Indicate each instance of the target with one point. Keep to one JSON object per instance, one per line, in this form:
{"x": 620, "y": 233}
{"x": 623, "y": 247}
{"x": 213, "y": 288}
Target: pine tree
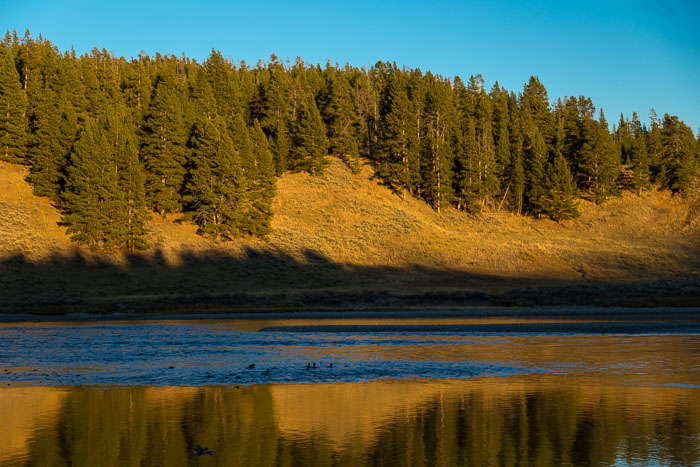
{"x": 604, "y": 166}
{"x": 397, "y": 145}
{"x": 215, "y": 187}
{"x": 654, "y": 147}
{"x": 277, "y": 113}
{"x": 467, "y": 180}
{"x": 488, "y": 167}
{"x": 516, "y": 176}
{"x": 535, "y": 176}
{"x": 280, "y": 146}
{"x": 90, "y": 189}
{"x": 136, "y": 86}
{"x": 639, "y": 157}
{"x": 310, "y": 143}
{"x": 12, "y": 110}
{"x": 103, "y": 200}
{"x": 535, "y": 104}
{"x": 132, "y": 181}
{"x": 500, "y": 125}
{"x": 224, "y": 84}
{"x": 437, "y": 152}
{"x": 50, "y": 158}
{"x": 163, "y": 146}
{"x": 560, "y": 196}
{"x": 341, "y": 118}
{"x": 680, "y": 156}
{"x": 261, "y": 184}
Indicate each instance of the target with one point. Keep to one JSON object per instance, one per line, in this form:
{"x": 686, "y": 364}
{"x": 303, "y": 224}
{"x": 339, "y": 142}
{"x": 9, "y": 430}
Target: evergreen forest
{"x": 113, "y": 141}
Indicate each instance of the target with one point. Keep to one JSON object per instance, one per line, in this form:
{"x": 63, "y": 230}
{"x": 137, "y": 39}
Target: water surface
{"x": 147, "y": 393}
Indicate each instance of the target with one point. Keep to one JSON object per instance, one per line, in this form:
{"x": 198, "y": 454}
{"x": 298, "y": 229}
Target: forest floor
{"x": 345, "y": 241}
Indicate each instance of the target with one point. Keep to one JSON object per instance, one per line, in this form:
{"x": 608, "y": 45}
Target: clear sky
{"x": 626, "y": 55}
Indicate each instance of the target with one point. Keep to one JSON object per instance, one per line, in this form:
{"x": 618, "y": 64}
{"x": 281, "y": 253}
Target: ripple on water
{"x": 195, "y": 354}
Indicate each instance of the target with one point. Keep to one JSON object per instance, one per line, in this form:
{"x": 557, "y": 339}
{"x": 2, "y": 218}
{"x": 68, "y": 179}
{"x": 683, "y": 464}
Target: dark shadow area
{"x": 264, "y": 279}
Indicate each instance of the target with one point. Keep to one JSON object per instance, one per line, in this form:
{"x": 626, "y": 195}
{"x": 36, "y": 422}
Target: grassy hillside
{"x": 343, "y": 234}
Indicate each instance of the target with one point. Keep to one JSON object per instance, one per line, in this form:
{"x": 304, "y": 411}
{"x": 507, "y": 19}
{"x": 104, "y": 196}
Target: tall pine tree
{"x": 215, "y": 189}
{"x": 104, "y": 200}
{"x": 559, "y": 199}
{"x": 310, "y": 142}
{"x": 12, "y": 109}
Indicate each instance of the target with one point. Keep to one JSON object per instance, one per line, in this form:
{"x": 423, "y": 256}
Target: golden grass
{"x": 29, "y": 225}
{"x": 353, "y": 219}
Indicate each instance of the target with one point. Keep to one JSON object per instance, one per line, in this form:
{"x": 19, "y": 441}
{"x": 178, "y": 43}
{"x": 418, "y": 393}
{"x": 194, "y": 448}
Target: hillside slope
{"x": 345, "y": 233}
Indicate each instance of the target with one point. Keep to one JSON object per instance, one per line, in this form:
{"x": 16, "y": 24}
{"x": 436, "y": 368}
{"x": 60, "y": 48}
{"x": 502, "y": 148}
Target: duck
{"x": 251, "y": 366}
{"x": 199, "y": 450}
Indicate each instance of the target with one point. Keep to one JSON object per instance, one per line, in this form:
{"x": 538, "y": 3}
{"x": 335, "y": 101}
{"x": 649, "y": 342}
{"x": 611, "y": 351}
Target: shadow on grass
{"x": 264, "y": 279}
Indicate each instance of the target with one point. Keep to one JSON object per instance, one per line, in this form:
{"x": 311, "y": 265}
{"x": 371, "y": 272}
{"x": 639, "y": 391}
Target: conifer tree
{"x": 467, "y": 180}
{"x": 654, "y": 147}
{"x": 310, "y": 143}
{"x": 488, "y": 167}
{"x": 535, "y": 103}
{"x": 133, "y": 215}
{"x": 104, "y": 200}
{"x": 581, "y": 131}
{"x": 639, "y": 157}
{"x": 341, "y": 119}
{"x": 163, "y": 146}
{"x": 73, "y": 87}
{"x": 12, "y": 110}
{"x": 437, "y": 152}
{"x": 517, "y": 181}
{"x": 535, "y": 176}
{"x": 559, "y": 198}
{"x": 397, "y": 155}
{"x": 261, "y": 184}
{"x": 224, "y": 84}
{"x": 50, "y": 158}
{"x": 215, "y": 187}
{"x": 136, "y": 86}
{"x": 280, "y": 145}
{"x": 604, "y": 166}
{"x": 624, "y": 139}
{"x": 89, "y": 203}
{"x": 679, "y": 156}
{"x": 277, "y": 113}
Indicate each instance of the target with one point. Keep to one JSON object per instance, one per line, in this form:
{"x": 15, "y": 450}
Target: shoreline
{"x": 564, "y": 313}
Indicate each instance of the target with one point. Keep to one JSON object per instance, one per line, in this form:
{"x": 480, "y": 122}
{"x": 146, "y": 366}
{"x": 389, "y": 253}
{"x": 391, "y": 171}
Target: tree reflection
{"x": 492, "y": 421}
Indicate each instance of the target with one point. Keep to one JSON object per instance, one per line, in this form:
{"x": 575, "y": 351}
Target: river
{"x": 403, "y": 390}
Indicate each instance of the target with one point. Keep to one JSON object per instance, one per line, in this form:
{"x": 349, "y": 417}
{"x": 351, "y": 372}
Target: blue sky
{"x": 626, "y": 55}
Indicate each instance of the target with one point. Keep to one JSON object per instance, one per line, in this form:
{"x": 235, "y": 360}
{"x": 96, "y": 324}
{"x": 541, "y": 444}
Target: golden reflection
{"x": 538, "y": 420}
{"x": 345, "y": 412}
{"x": 23, "y": 410}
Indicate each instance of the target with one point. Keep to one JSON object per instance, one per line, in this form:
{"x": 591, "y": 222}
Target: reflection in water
{"x": 537, "y": 420}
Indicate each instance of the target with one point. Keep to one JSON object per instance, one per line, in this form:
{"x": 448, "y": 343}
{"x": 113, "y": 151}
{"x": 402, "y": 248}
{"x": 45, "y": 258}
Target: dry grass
{"x": 352, "y": 218}
{"x": 28, "y": 224}
{"x": 344, "y": 232}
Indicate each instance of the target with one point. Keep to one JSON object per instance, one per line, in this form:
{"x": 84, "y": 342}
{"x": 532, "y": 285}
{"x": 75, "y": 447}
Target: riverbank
{"x": 477, "y": 315}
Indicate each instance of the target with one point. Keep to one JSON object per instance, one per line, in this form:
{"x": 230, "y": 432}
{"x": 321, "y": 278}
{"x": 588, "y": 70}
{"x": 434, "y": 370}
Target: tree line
{"x": 112, "y": 141}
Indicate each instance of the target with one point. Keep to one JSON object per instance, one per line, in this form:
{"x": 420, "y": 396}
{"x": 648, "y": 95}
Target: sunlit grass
{"x": 353, "y": 219}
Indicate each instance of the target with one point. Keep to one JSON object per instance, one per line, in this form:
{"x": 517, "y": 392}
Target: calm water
{"x": 148, "y": 393}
